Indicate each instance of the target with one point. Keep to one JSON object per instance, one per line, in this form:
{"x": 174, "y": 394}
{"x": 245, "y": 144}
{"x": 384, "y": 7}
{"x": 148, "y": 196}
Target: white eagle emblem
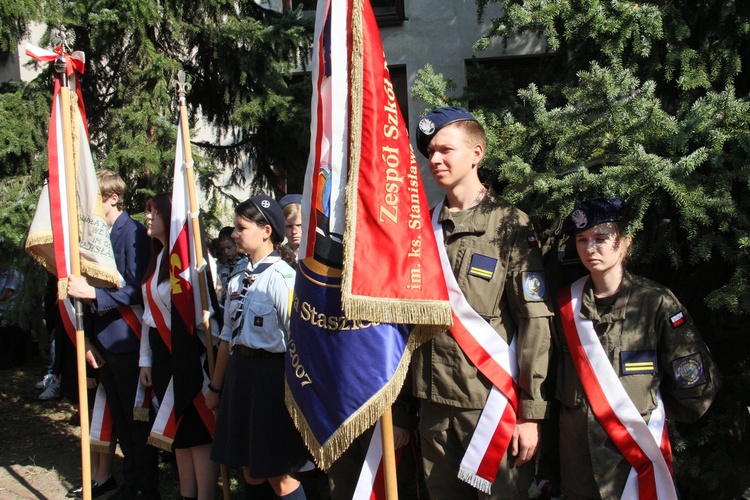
{"x": 426, "y": 126}
{"x": 579, "y": 218}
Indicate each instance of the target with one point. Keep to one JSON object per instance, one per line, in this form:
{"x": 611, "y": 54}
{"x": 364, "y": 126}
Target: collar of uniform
{"x": 478, "y": 221}
{"x": 617, "y": 313}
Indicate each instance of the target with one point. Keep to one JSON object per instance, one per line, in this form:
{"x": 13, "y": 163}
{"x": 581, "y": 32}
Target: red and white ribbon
{"x": 100, "y": 433}
{"x": 645, "y": 447}
{"x": 496, "y": 360}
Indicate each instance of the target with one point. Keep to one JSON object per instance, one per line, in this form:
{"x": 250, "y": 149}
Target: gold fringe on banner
{"x": 327, "y": 453}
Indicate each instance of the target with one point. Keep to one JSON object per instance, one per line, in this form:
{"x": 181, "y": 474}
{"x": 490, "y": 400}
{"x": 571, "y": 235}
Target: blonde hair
{"x": 473, "y": 132}
{"x": 292, "y": 208}
{"x": 110, "y": 183}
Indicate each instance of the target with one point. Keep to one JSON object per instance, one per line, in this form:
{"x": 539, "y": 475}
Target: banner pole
{"x": 200, "y": 262}
{"x": 75, "y": 266}
{"x": 389, "y": 455}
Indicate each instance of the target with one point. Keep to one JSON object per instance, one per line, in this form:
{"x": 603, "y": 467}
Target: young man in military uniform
{"x": 493, "y": 256}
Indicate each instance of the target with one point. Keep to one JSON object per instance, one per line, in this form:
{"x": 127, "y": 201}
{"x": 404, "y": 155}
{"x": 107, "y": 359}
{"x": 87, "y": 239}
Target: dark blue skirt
{"x": 254, "y": 428}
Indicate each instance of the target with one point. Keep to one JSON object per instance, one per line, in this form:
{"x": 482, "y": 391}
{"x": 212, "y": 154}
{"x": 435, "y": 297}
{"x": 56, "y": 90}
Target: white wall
{"x": 441, "y": 33}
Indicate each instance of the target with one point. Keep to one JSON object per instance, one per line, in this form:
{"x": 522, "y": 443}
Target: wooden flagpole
{"x": 75, "y": 270}
{"x": 182, "y": 87}
{"x": 389, "y": 455}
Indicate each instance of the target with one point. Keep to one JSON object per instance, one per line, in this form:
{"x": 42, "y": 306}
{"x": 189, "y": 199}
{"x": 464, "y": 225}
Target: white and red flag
{"x": 187, "y": 313}
{"x": 49, "y": 239}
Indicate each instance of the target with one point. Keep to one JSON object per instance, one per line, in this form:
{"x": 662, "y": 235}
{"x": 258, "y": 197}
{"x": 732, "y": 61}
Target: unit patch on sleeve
{"x": 482, "y": 266}
{"x": 534, "y": 287}
{"x": 635, "y": 362}
{"x": 688, "y": 371}
{"x": 533, "y": 242}
{"x": 677, "y": 320}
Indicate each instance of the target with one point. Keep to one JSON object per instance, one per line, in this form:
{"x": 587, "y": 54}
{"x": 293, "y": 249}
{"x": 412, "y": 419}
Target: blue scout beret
{"x": 592, "y": 213}
{"x": 271, "y": 211}
{"x": 288, "y": 199}
{"x": 432, "y": 122}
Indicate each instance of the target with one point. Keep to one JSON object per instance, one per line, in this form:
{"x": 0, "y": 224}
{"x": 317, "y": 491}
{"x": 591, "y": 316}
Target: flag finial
{"x": 63, "y": 38}
{"x": 183, "y": 86}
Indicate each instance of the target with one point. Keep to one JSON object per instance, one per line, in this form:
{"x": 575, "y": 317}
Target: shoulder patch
{"x": 688, "y": 370}
{"x": 677, "y": 320}
{"x": 533, "y": 242}
{"x": 534, "y": 287}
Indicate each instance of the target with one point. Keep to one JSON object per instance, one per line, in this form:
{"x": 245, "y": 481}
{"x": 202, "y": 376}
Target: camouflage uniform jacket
{"x": 644, "y": 322}
{"x": 493, "y": 253}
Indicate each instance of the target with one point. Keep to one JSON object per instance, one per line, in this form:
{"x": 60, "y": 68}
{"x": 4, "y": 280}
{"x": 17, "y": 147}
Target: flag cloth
{"x": 187, "y": 309}
{"x": 360, "y": 308}
{"x": 49, "y": 235}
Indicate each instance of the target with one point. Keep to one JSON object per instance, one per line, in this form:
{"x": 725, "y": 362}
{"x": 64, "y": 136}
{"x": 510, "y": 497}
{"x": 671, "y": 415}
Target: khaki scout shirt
{"x": 492, "y": 231}
{"x": 646, "y": 320}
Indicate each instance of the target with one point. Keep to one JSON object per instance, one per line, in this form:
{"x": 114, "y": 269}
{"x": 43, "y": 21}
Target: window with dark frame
{"x": 494, "y": 82}
{"x": 387, "y": 12}
{"x": 401, "y": 88}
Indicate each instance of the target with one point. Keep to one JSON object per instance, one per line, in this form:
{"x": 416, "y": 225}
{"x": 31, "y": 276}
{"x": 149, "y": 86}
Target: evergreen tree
{"x": 647, "y": 102}
{"x": 238, "y": 57}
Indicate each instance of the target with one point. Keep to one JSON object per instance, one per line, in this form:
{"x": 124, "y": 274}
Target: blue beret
{"x": 432, "y": 122}
{"x": 591, "y": 213}
{"x": 288, "y": 199}
{"x": 271, "y": 211}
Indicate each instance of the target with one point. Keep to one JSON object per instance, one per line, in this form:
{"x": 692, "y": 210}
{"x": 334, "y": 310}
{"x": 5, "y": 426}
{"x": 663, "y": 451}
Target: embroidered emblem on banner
{"x": 688, "y": 371}
{"x": 258, "y": 321}
{"x": 533, "y": 242}
{"x": 534, "y": 288}
{"x": 677, "y": 320}
{"x": 635, "y": 362}
{"x": 482, "y": 266}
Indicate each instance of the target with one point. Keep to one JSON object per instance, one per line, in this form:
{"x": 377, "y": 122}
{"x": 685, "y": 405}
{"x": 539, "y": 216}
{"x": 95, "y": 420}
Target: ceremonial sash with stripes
{"x": 496, "y": 360}
{"x": 165, "y": 425}
{"x": 371, "y": 482}
{"x": 100, "y": 433}
{"x": 645, "y": 447}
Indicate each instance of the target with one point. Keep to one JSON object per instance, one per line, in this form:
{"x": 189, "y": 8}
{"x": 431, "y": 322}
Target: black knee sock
{"x": 262, "y": 491}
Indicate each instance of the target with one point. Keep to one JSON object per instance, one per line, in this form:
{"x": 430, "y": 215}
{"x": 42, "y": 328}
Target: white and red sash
{"x": 497, "y": 361}
{"x": 371, "y": 482}
{"x": 160, "y": 311}
{"x": 100, "y": 433}
{"x": 645, "y": 447}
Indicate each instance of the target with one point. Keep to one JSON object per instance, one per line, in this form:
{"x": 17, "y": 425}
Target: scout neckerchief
{"x": 645, "y": 447}
{"x": 251, "y": 274}
{"x": 496, "y": 360}
{"x": 165, "y": 425}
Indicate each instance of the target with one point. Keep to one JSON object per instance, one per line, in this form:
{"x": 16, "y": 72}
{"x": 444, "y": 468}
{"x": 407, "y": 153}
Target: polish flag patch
{"x": 678, "y": 319}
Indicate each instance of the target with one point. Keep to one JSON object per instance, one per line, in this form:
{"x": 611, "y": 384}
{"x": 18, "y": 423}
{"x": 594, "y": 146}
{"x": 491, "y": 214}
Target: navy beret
{"x": 288, "y": 199}
{"x": 591, "y": 213}
{"x": 432, "y": 122}
{"x": 271, "y": 211}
